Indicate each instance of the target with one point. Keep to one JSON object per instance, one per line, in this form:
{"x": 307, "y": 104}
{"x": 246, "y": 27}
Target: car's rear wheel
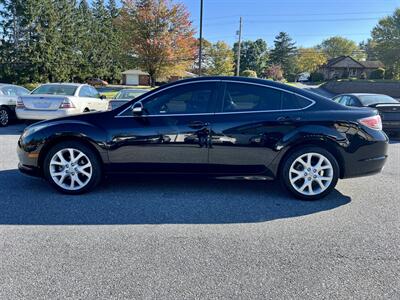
{"x": 4, "y": 116}
{"x": 310, "y": 173}
{"x": 72, "y": 168}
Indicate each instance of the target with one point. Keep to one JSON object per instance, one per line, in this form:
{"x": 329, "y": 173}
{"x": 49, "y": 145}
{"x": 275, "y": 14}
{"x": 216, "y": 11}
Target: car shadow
{"x": 13, "y": 129}
{"x": 153, "y": 200}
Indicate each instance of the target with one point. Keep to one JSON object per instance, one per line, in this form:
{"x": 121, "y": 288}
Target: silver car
{"x": 55, "y": 100}
{"x": 9, "y": 94}
{"x": 125, "y": 96}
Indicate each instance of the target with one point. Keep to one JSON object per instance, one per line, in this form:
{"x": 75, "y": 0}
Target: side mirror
{"x": 137, "y": 109}
{"x": 102, "y": 97}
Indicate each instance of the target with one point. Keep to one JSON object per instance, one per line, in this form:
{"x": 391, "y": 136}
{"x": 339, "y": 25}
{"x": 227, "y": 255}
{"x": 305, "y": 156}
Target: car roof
{"x": 135, "y": 90}
{"x": 64, "y": 83}
{"x": 361, "y": 94}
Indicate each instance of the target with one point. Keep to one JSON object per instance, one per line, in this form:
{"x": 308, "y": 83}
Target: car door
{"x": 100, "y": 104}
{"x": 251, "y": 122}
{"x": 85, "y": 98}
{"x": 171, "y": 135}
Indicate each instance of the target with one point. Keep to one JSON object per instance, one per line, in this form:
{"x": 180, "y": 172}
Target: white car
{"x": 8, "y": 98}
{"x": 54, "y": 100}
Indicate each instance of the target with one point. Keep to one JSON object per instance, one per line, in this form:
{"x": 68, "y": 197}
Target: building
{"x": 138, "y": 77}
{"x": 347, "y": 67}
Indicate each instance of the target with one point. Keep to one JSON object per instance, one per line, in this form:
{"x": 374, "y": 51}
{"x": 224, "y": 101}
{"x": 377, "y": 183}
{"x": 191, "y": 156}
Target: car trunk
{"x": 43, "y": 102}
{"x": 389, "y": 112}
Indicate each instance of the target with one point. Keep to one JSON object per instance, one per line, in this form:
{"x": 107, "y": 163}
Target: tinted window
{"x": 128, "y": 94}
{"x": 292, "y": 101}
{"x": 185, "y": 99}
{"x": 352, "y": 102}
{"x": 56, "y": 89}
{"x": 376, "y": 99}
{"x": 248, "y": 97}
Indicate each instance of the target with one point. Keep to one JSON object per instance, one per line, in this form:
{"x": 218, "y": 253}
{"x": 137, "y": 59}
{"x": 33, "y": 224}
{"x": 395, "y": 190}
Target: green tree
{"x": 339, "y": 46}
{"x": 159, "y": 35}
{"x": 368, "y": 47}
{"x": 284, "y": 53}
{"x": 221, "y": 59}
{"x": 253, "y": 55}
{"x": 386, "y": 36}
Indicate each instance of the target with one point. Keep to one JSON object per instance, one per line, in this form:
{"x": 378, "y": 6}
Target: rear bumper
{"x": 391, "y": 126}
{"x": 30, "y": 114}
{"x": 367, "y": 160}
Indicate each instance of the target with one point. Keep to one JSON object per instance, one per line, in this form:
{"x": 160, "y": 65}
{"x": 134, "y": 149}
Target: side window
{"x": 21, "y": 91}
{"x": 85, "y": 92}
{"x": 345, "y": 100}
{"x": 249, "y": 97}
{"x": 186, "y": 99}
{"x": 352, "y": 102}
{"x": 94, "y": 92}
{"x": 293, "y": 101}
{"x": 337, "y": 99}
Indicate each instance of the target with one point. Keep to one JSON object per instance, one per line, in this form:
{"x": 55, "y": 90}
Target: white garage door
{"x": 132, "y": 79}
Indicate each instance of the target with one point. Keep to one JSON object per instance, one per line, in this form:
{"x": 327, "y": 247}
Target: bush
{"x": 316, "y": 77}
{"x": 274, "y": 72}
{"x": 377, "y": 74}
{"x": 249, "y": 73}
{"x": 291, "y": 77}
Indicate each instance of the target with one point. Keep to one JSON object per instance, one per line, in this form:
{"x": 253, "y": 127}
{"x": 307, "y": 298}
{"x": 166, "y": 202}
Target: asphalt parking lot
{"x": 180, "y": 238}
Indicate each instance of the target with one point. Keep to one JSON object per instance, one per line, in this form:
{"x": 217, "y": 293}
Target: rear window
{"x": 292, "y": 101}
{"x": 376, "y": 99}
{"x": 54, "y": 89}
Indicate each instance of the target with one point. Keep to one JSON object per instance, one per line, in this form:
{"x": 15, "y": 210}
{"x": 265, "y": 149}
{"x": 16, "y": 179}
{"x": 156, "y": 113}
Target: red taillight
{"x": 374, "y": 122}
{"x": 20, "y": 103}
{"x": 67, "y": 104}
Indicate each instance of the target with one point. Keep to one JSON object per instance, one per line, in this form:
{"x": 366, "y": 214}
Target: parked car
{"x": 125, "y": 96}
{"x": 218, "y": 126}
{"x": 303, "y": 77}
{"x": 389, "y": 108}
{"x": 54, "y": 100}
{"x": 96, "y": 82}
{"x": 8, "y": 99}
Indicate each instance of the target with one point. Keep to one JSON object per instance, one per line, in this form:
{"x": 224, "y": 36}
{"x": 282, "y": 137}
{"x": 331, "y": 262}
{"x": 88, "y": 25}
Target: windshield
{"x": 129, "y": 94}
{"x": 376, "y": 99}
{"x": 53, "y": 89}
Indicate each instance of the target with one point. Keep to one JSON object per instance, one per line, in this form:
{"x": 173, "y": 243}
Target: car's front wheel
{"x": 72, "y": 168}
{"x": 4, "y": 116}
{"x": 310, "y": 173}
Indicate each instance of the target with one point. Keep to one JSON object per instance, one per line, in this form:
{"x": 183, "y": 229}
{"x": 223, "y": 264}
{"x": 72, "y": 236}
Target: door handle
{"x": 198, "y": 125}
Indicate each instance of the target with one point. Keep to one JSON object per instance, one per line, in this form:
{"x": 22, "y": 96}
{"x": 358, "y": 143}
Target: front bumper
{"x": 29, "y": 170}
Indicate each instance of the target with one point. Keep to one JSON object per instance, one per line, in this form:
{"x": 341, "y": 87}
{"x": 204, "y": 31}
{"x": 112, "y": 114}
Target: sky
{"x": 308, "y": 22}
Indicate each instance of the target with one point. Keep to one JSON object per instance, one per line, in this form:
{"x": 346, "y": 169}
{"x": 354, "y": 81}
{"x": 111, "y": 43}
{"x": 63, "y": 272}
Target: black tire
{"x": 92, "y": 157}
{"x": 289, "y": 160}
{"x": 5, "y": 115}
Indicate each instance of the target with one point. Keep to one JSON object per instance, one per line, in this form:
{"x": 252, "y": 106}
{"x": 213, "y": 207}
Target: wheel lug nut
{"x": 315, "y": 176}
{"x": 309, "y": 169}
{"x": 309, "y": 178}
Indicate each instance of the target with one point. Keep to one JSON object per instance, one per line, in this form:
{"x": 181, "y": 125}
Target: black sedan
{"x": 389, "y": 108}
{"x": 218, "y": 126}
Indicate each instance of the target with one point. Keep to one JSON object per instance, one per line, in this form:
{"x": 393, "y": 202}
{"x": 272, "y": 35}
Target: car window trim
{"x": 312, "y": 102}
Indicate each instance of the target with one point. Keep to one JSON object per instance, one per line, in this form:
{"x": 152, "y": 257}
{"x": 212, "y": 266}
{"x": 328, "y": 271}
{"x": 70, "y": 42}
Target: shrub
{"x": 274, "y": 72}
{"x": 249, "y": 73}
{"x": 291, "y": 77}
{"x": 377, "y": 74}
{"x": 316, "y": 77}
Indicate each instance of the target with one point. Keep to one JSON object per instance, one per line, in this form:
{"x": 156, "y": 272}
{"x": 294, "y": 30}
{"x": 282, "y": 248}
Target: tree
{"x": 284, "y": 53}
{"x": 339, "y": 46}
{"x": 160, "y": 35}
{"x": 221, "y": 58}
{"x": 368, "y": 47}
{"x": 253, "y": 55}
{"x": 309, "y": 60}
{"x": 206, "y": 62}
{"x": 386, "y": 35}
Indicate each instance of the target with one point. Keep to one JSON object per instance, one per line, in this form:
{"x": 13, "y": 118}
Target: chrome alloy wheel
{"x": 3, "y": 117}
{"x": 311, "y": 174}
{"x": 71, "y": 169}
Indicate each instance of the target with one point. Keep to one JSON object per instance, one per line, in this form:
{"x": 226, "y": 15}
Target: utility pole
{"x": 239, "y": 48}
{"x": 201, "y": 36}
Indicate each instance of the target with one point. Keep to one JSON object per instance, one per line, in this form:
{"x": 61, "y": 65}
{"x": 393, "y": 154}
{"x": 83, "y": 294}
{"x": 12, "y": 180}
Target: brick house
{"x": 346, "y": 66}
